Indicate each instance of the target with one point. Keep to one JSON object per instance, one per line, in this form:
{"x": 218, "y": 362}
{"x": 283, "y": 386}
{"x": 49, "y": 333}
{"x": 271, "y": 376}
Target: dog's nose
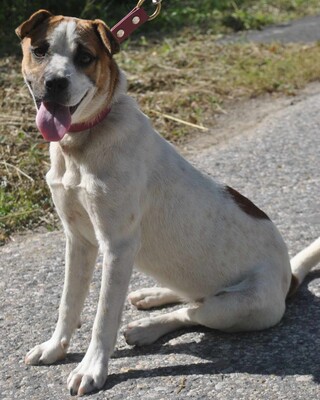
{"x": 56, "y": 84}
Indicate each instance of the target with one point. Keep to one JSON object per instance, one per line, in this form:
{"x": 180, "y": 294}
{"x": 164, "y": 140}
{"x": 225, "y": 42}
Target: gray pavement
{"x": 277, "y": 166}
{"x": 305, "y": 30}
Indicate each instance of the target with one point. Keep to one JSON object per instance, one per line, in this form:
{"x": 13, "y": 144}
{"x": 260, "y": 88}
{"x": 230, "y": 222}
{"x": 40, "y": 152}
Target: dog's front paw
{"x": 47, "y": 352}
{"x": 90, "y": 375}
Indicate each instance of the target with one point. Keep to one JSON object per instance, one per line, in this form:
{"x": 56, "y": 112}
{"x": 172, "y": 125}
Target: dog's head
{"x": 69, "y": 69}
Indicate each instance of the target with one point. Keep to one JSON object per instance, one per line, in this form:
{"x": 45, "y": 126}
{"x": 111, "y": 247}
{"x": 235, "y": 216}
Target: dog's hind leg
{"x": 147, "y": 298}
{"x": 148, "y": 330}
{"x": 239, "y": 311}
{"x": 243, "y": 307}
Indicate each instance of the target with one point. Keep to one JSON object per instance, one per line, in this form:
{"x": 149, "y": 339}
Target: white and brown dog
{"x": 120, "y": 187}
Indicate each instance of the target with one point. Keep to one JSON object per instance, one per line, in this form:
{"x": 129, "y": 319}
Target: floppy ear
{"x": 106, "y": 37}
{"x": 36, "y": 19}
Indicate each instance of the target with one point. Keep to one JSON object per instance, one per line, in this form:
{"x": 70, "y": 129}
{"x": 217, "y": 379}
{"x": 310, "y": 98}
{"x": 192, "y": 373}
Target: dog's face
{"x": 68, "y": 67}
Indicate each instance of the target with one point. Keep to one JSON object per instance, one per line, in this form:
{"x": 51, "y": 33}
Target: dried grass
{"x": 182, "y": 84}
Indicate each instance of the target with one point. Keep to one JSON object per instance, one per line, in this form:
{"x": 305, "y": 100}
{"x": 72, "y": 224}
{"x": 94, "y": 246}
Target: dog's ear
{"x": 106, "y": 37}
{"x": 36, "y": 19}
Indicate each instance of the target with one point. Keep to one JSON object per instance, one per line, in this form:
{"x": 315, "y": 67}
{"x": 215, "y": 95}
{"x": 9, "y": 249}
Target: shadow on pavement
{"x": 290, "y": 348}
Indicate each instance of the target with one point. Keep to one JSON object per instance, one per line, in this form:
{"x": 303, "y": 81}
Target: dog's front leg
{"x": 80, "y": 259}
{"x": 118, "y": 261}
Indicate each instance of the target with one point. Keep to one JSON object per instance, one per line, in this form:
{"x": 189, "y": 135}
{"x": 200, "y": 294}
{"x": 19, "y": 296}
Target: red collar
{"x": 82, "y": 126}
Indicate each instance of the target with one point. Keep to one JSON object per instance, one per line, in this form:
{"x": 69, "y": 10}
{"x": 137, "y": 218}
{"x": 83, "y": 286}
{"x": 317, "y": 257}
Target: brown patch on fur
{"x": 36, "y": 19}
{"x": 104, "y": 72}
{"x": 246, "y": 205}
{"x": 106, "y": 36}
{"x": 293, "y": 286}
{"x": 33, "y": 33}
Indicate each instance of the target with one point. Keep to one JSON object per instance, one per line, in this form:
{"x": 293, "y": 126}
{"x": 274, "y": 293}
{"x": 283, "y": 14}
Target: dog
{"x": 120, "y": 188}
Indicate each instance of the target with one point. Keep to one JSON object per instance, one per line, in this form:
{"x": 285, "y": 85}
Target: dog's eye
{"x": 84, "y": 58}
{"x": 40, "y": 51}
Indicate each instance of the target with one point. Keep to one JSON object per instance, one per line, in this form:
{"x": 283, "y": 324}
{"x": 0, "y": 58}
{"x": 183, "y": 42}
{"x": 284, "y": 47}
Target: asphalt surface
{"x": 276, "y": 164}
{"x": 305, "y": 30}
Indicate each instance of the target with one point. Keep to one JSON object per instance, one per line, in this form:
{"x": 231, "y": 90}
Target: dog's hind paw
{"x": 145, "y": 299}
{"x": 47, "y": 353}
{"x": 142, "y": 332}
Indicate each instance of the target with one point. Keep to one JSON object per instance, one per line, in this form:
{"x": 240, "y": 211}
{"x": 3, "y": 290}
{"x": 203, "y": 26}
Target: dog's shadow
{"x": 290, "y": 348}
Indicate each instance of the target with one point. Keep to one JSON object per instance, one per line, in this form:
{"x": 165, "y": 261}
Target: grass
{"x": 188, "y": 77}
{"x": 217, "y": 16}
{"x": 171, "y": 79}
{"x": 177, "y": 16}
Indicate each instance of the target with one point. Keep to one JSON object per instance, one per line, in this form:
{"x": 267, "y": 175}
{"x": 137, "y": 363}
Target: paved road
{"x": 305, "y": 30}
{"x": 276, "y": 165}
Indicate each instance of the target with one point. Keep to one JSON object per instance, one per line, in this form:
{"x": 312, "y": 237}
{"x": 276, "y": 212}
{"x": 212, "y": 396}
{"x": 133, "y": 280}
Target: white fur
{"x": 123, "y": 189}
{"x": 305, "y": 260}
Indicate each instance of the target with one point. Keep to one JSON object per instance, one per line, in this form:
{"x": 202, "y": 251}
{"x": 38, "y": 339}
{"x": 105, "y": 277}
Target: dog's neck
{"x": 83, "y": 126}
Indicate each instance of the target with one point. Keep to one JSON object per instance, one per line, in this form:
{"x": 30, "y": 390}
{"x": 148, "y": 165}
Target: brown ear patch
{"x": 35, "y": 20}
{"x": 106, "y": 37}
{"x": 246, "y": 205}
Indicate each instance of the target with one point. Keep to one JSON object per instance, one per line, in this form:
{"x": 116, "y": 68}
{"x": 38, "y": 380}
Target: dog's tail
{"x": 302, "y": 263}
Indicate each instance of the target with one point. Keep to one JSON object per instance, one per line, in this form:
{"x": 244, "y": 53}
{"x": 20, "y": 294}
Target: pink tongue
{"x": 53, "y": 121}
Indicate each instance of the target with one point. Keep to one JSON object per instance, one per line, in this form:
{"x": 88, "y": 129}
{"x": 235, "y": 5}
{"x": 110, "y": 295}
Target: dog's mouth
{"x": 54, "y": 120}
{"x": 72, "y": 109}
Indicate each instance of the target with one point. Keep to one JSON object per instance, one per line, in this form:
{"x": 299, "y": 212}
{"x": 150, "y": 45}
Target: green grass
{"x": 177, "y": 16}
{"x": 202, "y": 15}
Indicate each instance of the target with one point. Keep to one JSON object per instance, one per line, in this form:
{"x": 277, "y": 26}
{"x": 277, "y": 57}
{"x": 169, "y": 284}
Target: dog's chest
{"x": 71, "y": 178}
{"x": 72, "y": 190}
{"x": 65, "y": 174}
